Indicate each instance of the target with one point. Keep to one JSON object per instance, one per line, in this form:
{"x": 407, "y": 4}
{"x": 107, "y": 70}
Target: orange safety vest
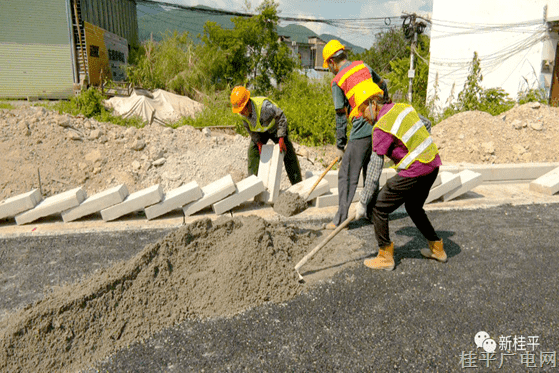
{"x": 349, "y": 78}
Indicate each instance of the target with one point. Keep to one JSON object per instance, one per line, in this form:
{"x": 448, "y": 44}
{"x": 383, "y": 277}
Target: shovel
{"x": 322, "y": 244}
{"x": 306, "y": 197}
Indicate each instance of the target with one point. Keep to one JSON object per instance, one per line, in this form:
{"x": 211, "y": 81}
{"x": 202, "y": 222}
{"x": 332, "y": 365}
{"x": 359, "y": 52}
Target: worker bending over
{"x": 264, "y": 121}
{"x": 401, "y": 135}
{"x": 354, "y": 154}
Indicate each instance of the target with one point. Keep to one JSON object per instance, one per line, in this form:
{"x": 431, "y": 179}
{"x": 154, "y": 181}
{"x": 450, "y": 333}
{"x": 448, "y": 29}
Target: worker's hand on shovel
{"x": 283, "y": 148}
{"x": 360, "y": 211}
{"x": 340, "y": 154}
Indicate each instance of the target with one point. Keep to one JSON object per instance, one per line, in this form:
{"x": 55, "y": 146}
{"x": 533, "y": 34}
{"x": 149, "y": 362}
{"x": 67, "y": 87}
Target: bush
{"x": 4, "y": 105}
{"x": 533, "y": 95}
{"x": 309, "y": 109}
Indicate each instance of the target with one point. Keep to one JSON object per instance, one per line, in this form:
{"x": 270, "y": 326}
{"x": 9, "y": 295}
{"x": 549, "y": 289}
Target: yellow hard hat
{"x": 330, "y": 49}
{"x": 239, "y": 98}
{"x": 363, "y": 91}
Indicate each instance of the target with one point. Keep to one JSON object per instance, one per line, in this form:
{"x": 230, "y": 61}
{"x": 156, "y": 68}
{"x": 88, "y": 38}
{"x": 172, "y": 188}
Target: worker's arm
{"x": 426, "y": 122}
{"x": 374, "y": 170}
{"x": 340, "y": 104}
{"x": 381, "y": 83}
{"x": 270, "y": 112}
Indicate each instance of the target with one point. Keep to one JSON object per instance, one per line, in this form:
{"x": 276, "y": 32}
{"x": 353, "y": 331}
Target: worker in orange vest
{"x": 264, "y": 121}
{"x": 356, "y": 152}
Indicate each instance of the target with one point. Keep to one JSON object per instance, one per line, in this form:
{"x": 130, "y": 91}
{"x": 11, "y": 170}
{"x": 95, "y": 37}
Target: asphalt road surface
{"x": 501, "y": 278}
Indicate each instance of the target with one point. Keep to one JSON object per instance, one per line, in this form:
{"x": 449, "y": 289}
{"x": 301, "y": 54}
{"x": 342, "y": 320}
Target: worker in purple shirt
{"x": 401, "y": 135}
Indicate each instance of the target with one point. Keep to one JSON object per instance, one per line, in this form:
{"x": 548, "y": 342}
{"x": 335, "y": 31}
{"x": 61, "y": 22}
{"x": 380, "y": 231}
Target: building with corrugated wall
{"x": 50, "y": 48}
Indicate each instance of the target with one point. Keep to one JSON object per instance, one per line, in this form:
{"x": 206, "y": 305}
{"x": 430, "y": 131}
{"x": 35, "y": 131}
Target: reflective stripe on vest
{"x": 258, "y": 102}
{"x": 349, "y": 79}
{"x": 403, "y": 122}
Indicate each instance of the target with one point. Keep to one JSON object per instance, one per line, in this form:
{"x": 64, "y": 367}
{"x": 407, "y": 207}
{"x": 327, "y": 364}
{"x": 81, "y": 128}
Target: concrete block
{"x": 211, "y": 194}
{"x": 134, "y": 202}
{"x": 269, "y": 171}
{"x": 469, "y": 180}
{"x": 546, "y": 184}
{"x": 246, "y": 189}
{"x": 305, "y": 186}
{"x": 332, "y": 198}
{"x": 96, "y": 203}
{"x": 53, "y": 205}
{"x": 18, "y": 204}
{"x": 449, "y": 184}
{"x": 175, "y": 199}
{"x": 510, "y": 173}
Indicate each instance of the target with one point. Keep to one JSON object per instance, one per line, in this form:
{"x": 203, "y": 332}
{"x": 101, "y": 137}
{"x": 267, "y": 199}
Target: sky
{"x": 330, "y": 9}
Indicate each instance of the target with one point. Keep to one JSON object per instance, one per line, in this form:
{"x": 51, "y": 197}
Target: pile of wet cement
{"x": 289, "y": 204}
{"x": 201, "y": 270}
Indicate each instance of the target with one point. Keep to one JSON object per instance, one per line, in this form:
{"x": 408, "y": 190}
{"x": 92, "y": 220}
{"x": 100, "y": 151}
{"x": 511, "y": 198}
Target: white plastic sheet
{"x": 159, "y": 106}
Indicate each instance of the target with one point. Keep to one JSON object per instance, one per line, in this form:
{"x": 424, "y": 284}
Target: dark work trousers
{"x": 290, "y": 159}
{"x": 355, "y": 159}
{"x": 410, "y": 191}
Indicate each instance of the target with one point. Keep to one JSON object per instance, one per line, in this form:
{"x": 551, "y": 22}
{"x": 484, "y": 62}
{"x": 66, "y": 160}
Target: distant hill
{"x": 154, "y": 19}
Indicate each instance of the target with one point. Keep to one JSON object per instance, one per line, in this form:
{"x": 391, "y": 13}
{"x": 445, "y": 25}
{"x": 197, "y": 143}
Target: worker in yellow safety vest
{"x": 401, "y": 135}
{"x": 356, "y": 152}
{"x": 264, "y": 121}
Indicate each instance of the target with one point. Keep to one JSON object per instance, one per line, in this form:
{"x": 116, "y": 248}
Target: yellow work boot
{"x": 384, "y": 259}
{"x": 435, "y": 251}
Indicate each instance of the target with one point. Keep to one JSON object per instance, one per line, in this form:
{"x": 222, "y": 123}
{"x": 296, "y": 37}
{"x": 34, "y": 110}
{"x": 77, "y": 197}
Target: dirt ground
{"x": 204, "y": 269}
{"x": 65, "y": 152}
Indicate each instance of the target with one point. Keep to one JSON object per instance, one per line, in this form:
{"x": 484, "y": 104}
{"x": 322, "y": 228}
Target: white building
{"x": 516, "y": 42}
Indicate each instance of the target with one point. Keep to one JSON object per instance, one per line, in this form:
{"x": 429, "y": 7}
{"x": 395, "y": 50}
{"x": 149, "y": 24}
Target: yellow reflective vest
{"x": 258, "y": 101}
{"x": 403, "y": 122}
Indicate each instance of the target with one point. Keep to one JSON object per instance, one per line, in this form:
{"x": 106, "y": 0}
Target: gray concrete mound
{"x": 289, "y": 204}
{"x": 204, "y": 269}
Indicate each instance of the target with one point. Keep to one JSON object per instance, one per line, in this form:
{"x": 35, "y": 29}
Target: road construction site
{"x": 112, "y": 276}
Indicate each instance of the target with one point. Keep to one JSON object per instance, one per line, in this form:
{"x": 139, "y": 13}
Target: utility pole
{"x": 411, "y": 71}
{"x": 412, "y": 28}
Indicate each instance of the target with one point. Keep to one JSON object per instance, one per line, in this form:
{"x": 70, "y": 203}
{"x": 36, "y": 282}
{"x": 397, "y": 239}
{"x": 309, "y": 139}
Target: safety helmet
{"x": 330, "y": 50}
{"x": 363, "y": 91}
{"x": 239, "y": 98}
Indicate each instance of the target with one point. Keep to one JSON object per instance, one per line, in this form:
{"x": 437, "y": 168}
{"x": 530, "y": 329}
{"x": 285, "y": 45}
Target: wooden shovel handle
{"x": 326, "y": 240}
{"x": 321, "y": 177}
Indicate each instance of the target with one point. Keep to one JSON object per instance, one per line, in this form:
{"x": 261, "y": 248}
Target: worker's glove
{"x": 283, "y": 148}
{"x": 259, "y": 147}
{"x": 360, "y": 211}
{"x": 339, "y": 154}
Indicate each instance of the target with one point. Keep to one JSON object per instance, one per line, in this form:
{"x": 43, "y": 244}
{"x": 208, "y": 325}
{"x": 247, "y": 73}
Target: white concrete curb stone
{"x": 53, "y": 205}
{"x": 175, "y": 199}
{"x": 246, "y": 189}
{"x": 134, "y": 202}
{"x": 211, "y": 194}
{"x": 18, "y": 204}
{"x": 547, "y": 184}
{"x": 96, "y": 203}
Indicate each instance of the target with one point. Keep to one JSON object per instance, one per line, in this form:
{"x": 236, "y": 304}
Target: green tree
{"x": 251, "y": 52}
{"x": 470, "y": 97}
{"x": 389, "y": 45}
{"x": 398, "y": 76}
